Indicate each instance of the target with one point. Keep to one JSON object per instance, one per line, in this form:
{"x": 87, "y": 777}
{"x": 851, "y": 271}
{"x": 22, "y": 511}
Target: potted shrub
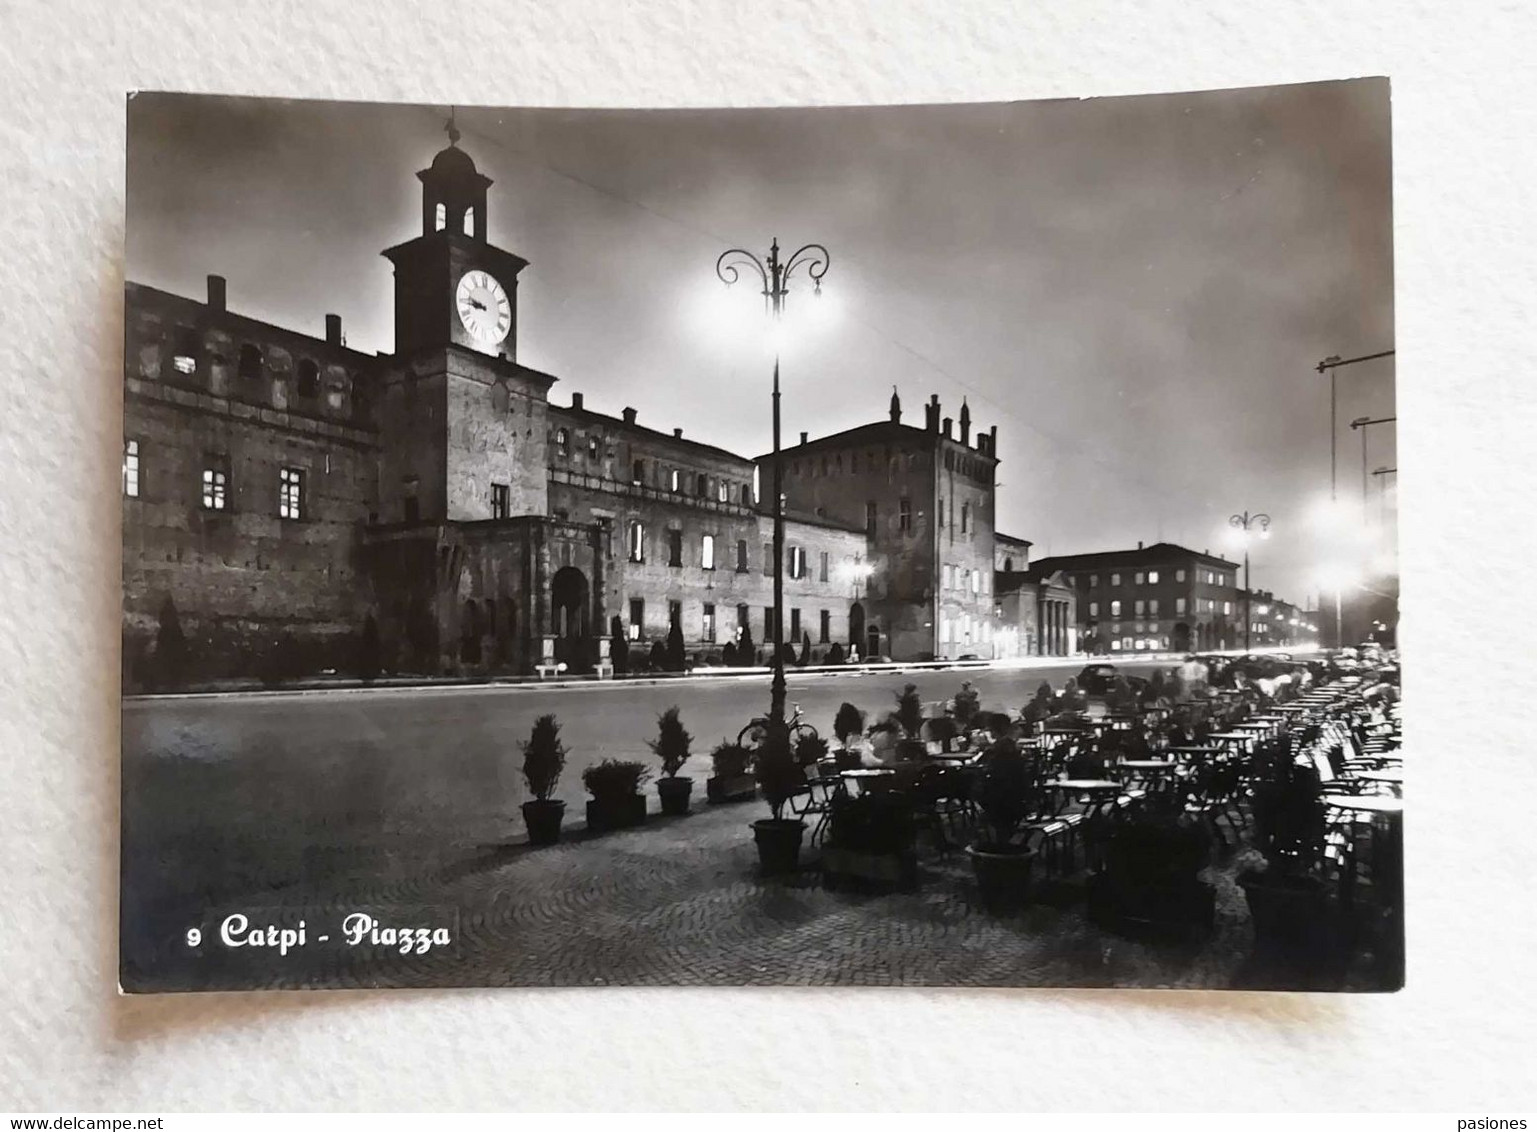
{"x": 731, "y": 778}
{"x": 1294, "y": 924}
{"x": 779, "y": 778}
{"x": 965, "y": 707}
{"x": 671, "y": 746}
{"x": 871, "y": 839}
{"x": 943, "y": 731}
{"x": 1001, "y": 856}
{"x": 1149, "y": 881}
{"x": 544, "y": 757}
{"x": 848, "y": 724}
{"x": 909, "y": 717}
{"x": 617, "y": 802}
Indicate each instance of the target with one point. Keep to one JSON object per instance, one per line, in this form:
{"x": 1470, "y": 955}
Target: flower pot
{"x": 779, "y": 844}
{"x": 674, "y": 793}
{"x": 543, "y": 818}
{"x": 1003, "y": 879}
{"x": 1293, "y": 919}
{"x": 731, "y": 788}
{"x": 620, "y": 812}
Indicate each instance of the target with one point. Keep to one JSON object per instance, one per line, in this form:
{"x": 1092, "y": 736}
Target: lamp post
{"x": 1331, "y": 363}
{"x": 1245, "y": 522}
{"x": 1363, "y": 423}
{"x": 775, "y": 273}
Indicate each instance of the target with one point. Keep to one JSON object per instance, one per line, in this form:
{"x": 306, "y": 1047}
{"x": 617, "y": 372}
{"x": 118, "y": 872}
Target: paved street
{"x": 237, "y": 797}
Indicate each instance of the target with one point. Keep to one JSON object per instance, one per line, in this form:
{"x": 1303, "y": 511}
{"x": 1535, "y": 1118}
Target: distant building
{"x": 1036, "y": 608}
{"x": 1154, "y": 598}
{"x": 924, "y": 498}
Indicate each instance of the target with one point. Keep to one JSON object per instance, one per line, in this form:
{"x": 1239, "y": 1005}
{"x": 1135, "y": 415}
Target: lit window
{"x": 1093, "y": 609}
{"x": 707, "y": 554}
{"x": 1152, "y": 607}
{"x": 440, "y": 218}
{"x": 1115, "y": 609}
{"x": 290, "y": 493}
{"x": 1140, "y": 578}
{"x": 797, "y": 562}
{"x": 672, "y": 480}
{"x": 1115, "y": 646}
{"x": 637, "y": 543}
{"x": 1179, "y": 575}
{"x": 976, "y": 581}
{"x": 721, "y": 492}
{"x": 637, "y": 617}
{"x": 501, "y": 501}
{"x": 1152, "y": 577}
{"x": 1093, "y": 581}
{"x": 215, "y": 484}
{"x": 1115, "y": 579}
{"x": 469, "y": 222}
{"x": 184, "y": 363}
{"x": 1138, "y": 607}
{"x": 592, "y": 447}
{"x": 131, "y": 469}
{"x": 563, "y": 441}
{"x": 1227, "y": 608}
{"x": 1179, "y": 605}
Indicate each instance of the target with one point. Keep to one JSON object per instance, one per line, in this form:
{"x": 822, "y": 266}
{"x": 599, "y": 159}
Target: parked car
{"x": 1098, "y": 679}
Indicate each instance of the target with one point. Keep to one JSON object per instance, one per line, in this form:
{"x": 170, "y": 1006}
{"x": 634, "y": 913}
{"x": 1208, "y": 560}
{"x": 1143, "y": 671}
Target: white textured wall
{"x": 1465, "y": 118}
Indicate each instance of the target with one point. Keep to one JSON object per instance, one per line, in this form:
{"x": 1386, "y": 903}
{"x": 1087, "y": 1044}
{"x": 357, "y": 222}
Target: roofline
{"x": 831, "y": 438}
{"x": 1106, "y": 557}
{"x": 131, "y": 285}
{"x": 648, "y": 431}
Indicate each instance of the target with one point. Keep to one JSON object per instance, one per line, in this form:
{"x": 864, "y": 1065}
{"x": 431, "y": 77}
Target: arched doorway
{"x": 1181, "y": 637}
{"x": 857, "y": 626}
{"x": 570, "y": 618}
{"x": 872, "y": 642}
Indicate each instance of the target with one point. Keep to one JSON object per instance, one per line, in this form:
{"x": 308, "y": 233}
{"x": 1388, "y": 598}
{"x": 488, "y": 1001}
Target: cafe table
{"x": 1393, "y": 776}
{"x": 870, "y": 780}
{"x": 1387, "y": 836}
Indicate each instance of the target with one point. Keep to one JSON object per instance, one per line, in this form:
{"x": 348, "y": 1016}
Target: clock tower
{"x": 463, "y": 424}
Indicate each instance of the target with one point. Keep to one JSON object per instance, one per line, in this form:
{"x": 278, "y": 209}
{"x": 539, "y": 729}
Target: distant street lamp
{"x": 1331, "y": 363}
{"x": 775, "y": 274}
{"x": 1382, "y": 492}
{"x": 1363, "y": 423}
{"x": 1245, "y": 522}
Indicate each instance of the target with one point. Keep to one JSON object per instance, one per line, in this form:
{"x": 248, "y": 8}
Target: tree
{"x": 170, "y": 647}
{"x": 909, "y": 713}
{"x": 369, "y": 651}
{"x": 675, "y": 657}
{"x": 618, "y": 647}
{"x": 745, "y": 650}
{"x": 805, "y": 657}
{"x": 728, "y": 655}
{"x": 658, "y": 657}
{"x": 834, "y": 654}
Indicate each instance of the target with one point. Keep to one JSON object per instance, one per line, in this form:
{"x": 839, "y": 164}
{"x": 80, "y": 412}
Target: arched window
{"x": 309, "y": 378}
{"x": 441, "y": 220}
{"x": 469, "y": 222}
{"x": 249, "y": 367}
{"x": 703, "y": 484}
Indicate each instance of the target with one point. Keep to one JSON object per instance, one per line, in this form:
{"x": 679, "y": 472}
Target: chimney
{"x": 803, "y": 438}
{"x": 992, "y": 441}
{"x": 931, "y": 413}
{"x": 334, "y": 329}
{"x": 576, "y": 401}
{"x": 1139, "y": 544}
{"x": 678, "y": 433}
{"x": 948, "y": 423}
{"x": 629, "y": 416}
{"x": 216, "y": 292}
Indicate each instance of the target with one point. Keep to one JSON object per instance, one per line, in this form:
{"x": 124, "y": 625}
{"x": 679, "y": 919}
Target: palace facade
{"x": 283, "y": 492}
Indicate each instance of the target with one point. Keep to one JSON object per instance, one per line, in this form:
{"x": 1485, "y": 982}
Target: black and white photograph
{"x": 904, "y": 546}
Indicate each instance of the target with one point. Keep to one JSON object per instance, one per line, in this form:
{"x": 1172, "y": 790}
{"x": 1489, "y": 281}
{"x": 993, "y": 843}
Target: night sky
{"x": 1135, "y": 290}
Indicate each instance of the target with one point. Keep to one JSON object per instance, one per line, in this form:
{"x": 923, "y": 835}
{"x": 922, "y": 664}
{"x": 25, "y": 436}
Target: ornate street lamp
{"x": 775, "y": 274}
{"x": 1245, "y": 522}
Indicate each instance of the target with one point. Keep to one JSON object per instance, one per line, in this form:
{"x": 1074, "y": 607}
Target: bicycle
{"x": 753, "y": 735}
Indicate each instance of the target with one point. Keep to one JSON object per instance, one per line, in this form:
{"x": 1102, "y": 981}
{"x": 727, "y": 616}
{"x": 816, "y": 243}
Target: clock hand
{"x": 477, "y": 304}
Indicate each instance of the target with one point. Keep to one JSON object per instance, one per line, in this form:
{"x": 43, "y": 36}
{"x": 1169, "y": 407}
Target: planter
{"x": 620, "y": 812}
{"x": 731, "y": 788}
{"x": 876, "y": 870}
{"x": 1294, "y": 920}
{"x": 674, "y": 793}
{"x": 779, "y": 844}
{"x": 543, "y": 819}
{"x": 1003, "y": 879}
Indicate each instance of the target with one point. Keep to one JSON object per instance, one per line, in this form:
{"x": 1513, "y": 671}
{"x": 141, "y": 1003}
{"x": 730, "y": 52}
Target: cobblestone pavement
{"x": 678, "y": 902}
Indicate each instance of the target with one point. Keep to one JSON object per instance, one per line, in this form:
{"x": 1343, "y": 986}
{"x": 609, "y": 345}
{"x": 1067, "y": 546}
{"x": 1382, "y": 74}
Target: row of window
{"x": 1149, "y": 607}
{"x": 215, "y": 484}
{"x": 964, "y": 630}
{"x": 187, "y": 359}
{"x": 797, "y": 562}
{"x": 975, "y": 582}
{"x": 1139, "y": 644}
{"x": 710, "y": 627}
{"x": 696, "y": 484}
{"x": 1151, "y": 578}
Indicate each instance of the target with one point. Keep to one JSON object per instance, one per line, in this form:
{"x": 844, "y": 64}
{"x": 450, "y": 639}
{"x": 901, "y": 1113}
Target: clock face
{"x": 483, "y": 308}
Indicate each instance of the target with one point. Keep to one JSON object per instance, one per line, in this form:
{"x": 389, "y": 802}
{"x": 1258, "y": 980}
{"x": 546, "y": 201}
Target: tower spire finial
{"x": 451, "y": 129}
